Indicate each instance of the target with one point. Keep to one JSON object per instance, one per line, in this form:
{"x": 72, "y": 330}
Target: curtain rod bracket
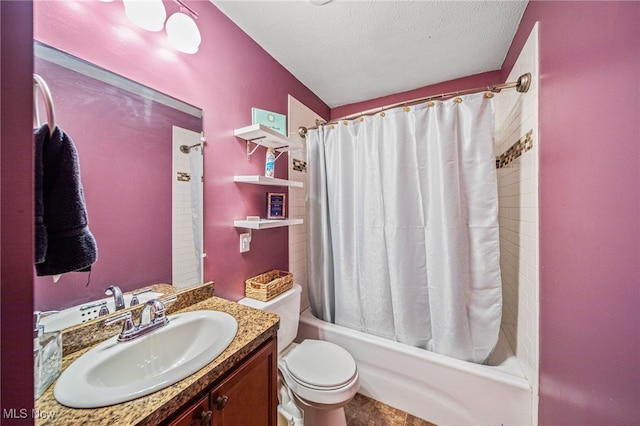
{"x": 524, "y": 82}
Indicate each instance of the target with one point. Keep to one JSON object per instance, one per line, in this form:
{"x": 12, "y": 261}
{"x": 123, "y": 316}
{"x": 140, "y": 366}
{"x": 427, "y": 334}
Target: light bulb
{"x": 147, "y": 14}
{"x": 183, "y": 33}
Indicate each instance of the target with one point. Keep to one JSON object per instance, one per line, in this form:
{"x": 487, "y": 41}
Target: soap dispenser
{"x": 47, "y": 354}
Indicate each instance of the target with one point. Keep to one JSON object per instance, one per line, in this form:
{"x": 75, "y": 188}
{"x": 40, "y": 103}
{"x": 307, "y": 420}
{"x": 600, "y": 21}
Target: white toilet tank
{"x": 287, "y": 305}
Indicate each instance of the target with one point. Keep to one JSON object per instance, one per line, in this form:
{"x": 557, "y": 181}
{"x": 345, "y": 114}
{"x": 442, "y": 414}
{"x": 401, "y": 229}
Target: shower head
{"x": 186, "y": 149}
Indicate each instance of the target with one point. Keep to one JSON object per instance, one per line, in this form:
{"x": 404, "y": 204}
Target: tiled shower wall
{"x": 517, "y": 152}
{"x": 184, "y": 271}
{"x": 299, "y": 115}
{"x": 298, "y": 233}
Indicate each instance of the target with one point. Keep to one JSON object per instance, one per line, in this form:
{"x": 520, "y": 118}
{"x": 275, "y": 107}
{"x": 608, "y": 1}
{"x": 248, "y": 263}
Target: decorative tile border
{"x": 516, "y": 150}
{"x": 184, "y": 177}
{"x": 299, "y": 165}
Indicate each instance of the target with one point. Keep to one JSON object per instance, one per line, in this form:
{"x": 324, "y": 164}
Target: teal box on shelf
{"x": 272, "y": 120}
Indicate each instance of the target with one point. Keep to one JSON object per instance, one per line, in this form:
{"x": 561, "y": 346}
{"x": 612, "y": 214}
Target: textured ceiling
{"x": 347, "y": 51}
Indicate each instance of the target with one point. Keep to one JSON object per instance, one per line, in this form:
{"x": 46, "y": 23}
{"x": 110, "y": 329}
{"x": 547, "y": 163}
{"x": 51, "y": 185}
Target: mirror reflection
{"x": 140, "y": 155}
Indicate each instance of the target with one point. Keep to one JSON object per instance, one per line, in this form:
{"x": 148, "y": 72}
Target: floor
{"x": 364, "y": 411}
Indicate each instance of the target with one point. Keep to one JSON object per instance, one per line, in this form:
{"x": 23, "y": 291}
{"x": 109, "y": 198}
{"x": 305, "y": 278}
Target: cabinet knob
{"x": 205, "y": 418}
{"x": 221, "y": 402}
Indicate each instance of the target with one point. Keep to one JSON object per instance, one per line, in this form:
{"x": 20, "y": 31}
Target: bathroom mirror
{"x": 143, "y": 192}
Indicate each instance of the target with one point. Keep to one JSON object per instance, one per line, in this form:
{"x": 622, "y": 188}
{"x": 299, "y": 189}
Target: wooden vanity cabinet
{"x": 196, "y": 414}
{"x": 247, "y": 395}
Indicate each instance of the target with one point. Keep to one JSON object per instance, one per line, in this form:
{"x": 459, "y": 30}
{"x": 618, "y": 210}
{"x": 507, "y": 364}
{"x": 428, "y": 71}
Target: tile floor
{"x": 364, "y": 411}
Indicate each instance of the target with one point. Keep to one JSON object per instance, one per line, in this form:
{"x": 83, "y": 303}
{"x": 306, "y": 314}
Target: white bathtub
{"x": 439, "y": 389}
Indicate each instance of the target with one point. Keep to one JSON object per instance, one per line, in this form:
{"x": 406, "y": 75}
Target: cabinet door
{"x": 197, "y": 414}
{"x": 249, "y": 395}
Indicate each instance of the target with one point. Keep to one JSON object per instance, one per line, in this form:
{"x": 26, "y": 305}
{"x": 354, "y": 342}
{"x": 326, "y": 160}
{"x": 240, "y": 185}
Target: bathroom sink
{"x": 114, "y": 372}
{"x": 74, "y": 316}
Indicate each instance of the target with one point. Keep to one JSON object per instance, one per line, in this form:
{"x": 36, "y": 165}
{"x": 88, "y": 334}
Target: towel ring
{"x": 48, "y": 102}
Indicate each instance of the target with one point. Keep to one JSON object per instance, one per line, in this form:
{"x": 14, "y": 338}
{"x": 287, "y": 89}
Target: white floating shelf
{"x": 264, "y": 136}
{"x": 263, "y": 180}
{"x": 266, "y": 223}
{"x": 261, "y": 135}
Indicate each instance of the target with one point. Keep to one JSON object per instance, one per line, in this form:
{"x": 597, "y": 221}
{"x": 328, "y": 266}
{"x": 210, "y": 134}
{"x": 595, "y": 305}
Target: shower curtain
{"x": 403, "y": 231}
{"x": 196, "y": 169}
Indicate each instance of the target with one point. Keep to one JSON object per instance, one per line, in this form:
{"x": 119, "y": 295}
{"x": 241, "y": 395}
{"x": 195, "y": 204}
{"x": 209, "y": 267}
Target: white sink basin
{"x": 74, "y": 316}
{"x": 114, "y": 372}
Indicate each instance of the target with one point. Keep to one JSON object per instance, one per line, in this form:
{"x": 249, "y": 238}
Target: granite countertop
{"x": 254, "y": 328}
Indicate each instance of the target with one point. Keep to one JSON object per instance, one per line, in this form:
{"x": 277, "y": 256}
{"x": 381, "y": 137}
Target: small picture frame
{"x": 276, "y": 205}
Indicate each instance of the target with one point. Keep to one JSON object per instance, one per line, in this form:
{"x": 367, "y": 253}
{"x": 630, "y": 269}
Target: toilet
{"x": 316, "y": 378}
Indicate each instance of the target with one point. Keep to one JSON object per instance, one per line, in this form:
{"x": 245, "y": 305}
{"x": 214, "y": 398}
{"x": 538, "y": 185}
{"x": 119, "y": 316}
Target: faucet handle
{"x": 127, "y": 327}
{"x": 93, "y": 305}
{"x": 134, "y": 295}
{"x": 104, "y": 311}
{"x": 134, "y": 300}
{"x": 143, "y": 290}
{"x": 102, "y": 305}
{"x": 166, "y": 302}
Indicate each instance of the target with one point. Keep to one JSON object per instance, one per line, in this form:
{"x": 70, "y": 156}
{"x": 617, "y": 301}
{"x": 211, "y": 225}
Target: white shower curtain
{"x": 196, "y": 168}
{"x": 403, "y": 230}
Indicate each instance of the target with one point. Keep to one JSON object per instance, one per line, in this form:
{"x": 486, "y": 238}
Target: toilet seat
{"x": 320, "y": 365}
{"x": 319, "y": 372}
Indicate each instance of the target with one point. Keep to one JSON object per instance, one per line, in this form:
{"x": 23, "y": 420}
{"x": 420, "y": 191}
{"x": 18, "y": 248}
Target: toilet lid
{"x": 321, "y": 364}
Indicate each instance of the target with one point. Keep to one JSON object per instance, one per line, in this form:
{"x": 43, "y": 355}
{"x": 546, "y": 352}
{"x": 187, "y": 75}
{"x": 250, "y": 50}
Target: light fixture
{"x": 147, "y": 14}
{"x": 182, "y": 30}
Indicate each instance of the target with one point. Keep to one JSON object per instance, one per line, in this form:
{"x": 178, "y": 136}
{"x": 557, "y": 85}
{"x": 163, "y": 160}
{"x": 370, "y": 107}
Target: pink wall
{"x": 471, "y": 82}
{"x": 589, "y": 210}
{"x": 589, "y": 177}
{"x": 16, "y": 233}
{"x": 229, "y": 75}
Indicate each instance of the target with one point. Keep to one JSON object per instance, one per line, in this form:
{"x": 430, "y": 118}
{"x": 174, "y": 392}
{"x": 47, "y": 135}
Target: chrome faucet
{"x": 152, "y": 318}
{"x": 117, "y": 296}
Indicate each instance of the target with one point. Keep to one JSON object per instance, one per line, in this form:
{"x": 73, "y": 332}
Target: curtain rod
{"x": 521, "y": 85}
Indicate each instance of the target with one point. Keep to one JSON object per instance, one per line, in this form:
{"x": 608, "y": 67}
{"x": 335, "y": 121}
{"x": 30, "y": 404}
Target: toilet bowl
{"x": 321, "y": 377}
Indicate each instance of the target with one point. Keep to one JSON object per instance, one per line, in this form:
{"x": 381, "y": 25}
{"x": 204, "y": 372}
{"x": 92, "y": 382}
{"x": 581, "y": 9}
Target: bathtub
{"x": 436, "y": 388}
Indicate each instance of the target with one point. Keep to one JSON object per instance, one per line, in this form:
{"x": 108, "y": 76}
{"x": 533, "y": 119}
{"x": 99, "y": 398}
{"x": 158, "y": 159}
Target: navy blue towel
{"x": 64, "y": 242}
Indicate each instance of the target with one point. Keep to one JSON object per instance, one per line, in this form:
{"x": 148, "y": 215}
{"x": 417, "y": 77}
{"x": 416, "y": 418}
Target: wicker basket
{"x": 268, "y": 285}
